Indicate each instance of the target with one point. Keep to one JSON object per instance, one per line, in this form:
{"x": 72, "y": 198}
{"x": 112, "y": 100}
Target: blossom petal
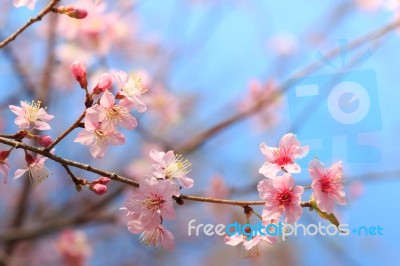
{"x": 20, "y": 172}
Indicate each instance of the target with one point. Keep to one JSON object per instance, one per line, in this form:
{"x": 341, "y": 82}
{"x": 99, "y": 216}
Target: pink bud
{"x": 29, "y": 159}
{"x": 99, "y": 189}
{"x": 4, "y": 155}
{"x": 78, "y": 69}
{"x": 77, "y": 13}
{"x": 71, "y": 11}
{"x": 103, "y": 180}
{"x": 44, "y": 141}
{"x": 105, "y": 83}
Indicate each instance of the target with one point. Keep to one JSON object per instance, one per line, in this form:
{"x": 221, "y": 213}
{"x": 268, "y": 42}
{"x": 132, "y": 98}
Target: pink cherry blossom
{"x": 132, "y": 89}
{"x": 4, "y": 165}
{"x": 165, "y": 106}
{"x": 74, "y": 248}
{"x": 158, "y": 236}
{"x": 282, "y": 158}
{"x": 78, "y": 70}
{"x": 171, "y": 166}
{"x": 95, "y": 137}
{"x": 104, "y": 83}
{"x": 29, "y": 3}
{"x": 152, "y": 202}
{"x": 253, "y": 248}
{"x": 31, "y": 115}
{"x": 327, "y": 185}
{"x": 100, "y": 31}
{"x": 111, "y": 114}
{"x": 267, "y": 115}
{"x": 36, "y": 169}
{"x": 281, "y": 197}
{"x": 44, "y": 141}
{"x": 283, "y": 44}
{"x": 356, "y": 189}
{"x": 370, "y": 5}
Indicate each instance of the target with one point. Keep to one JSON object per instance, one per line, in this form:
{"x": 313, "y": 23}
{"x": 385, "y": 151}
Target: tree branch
{"x": 39, "y": 17}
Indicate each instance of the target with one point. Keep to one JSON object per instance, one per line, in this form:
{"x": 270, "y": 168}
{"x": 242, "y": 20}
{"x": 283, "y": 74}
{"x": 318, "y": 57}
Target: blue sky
{"x": 217, "y": 49}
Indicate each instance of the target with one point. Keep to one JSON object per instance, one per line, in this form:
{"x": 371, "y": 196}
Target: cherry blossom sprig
{"x": 280, "y": 196}
{"x": 152, "y": 202}
{"x": 103, "y": 117}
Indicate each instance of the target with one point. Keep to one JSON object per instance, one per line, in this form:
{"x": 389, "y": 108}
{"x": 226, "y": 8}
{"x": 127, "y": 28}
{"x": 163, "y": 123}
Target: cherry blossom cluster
{"x": 152, "y": 203}
{"x": 30, "y": 117}
{"x": 73, "y": 247}
{"x": 106, "y": 114}
{"x": 282, "y": 197}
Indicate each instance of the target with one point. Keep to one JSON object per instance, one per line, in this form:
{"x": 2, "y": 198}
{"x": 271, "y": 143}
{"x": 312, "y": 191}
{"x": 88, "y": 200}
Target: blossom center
{"x": 32, "y": 111}
{"x": 150, "y": 238}
{"x": 116, "y": 113}
{"x": 330, "y": 184}
{"x": 134, "y": 86}
{"x": 37, "y": 173}
{"x": 153, "y": 202}
{"x": 283, "y": 156}
{"x": 284, "y": 197}
{"x": 178, "y": 167}
{"x": 100, "y": 136}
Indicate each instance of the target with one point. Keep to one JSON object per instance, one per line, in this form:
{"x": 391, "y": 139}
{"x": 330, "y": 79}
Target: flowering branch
{"x": 62, "y": 161}
{"x": 39, "y": 17}
{"x": 230, "y": 202}
{"x": 66, "y": 162}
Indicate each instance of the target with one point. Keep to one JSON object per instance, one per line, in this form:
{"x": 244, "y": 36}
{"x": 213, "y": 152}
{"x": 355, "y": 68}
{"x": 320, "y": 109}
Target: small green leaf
{"x": 330, "y": 217}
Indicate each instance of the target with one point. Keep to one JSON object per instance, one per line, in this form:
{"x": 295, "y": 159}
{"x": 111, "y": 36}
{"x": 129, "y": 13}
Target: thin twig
{"x": 63, "y": 161}
{"x": 39, "y": 17}
{"x": 77, "y": 181}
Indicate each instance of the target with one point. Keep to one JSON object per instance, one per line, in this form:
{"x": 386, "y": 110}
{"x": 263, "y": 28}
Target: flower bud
{"x": 78, "y": 70}
{"x": 29, "y": 159}
{"x": 103, "y": 180}
{"x": 4, "y": 155}
{"x": 71, "y": 12}
{"x": 44, "y": 141}
{"x": 99, "y": 189}
{"x": 105, "y": 83}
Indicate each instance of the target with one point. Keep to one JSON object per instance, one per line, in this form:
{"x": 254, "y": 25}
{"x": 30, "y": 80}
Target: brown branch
{"x": 230, "y": 202}
{"x": 62, "y": 222}
{"x": 46, "y": 82}
{"x": 115, "y": 177}
{"x": 39, "y": 17}
{"x": 77, "y": 181}
{"x": 63, "y": 161}
{"x": 20, "y": 213}
{"x": 66, "y": 132}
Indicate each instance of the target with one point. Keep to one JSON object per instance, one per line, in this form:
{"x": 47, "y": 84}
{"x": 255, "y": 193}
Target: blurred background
{"x": 333, "y": 64}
